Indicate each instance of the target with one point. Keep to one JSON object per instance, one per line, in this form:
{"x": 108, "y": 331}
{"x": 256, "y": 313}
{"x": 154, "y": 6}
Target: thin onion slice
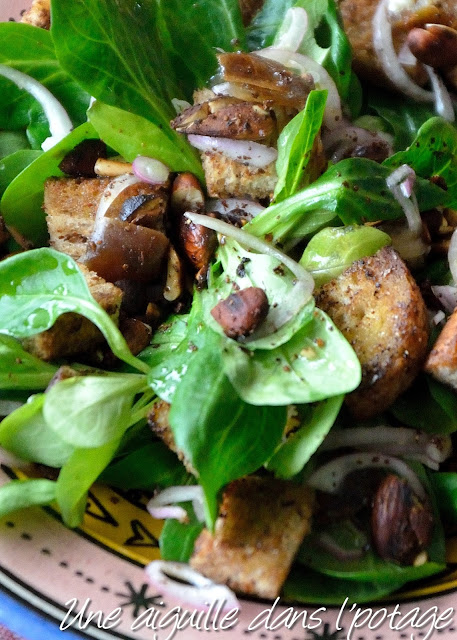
{"x": 446, "y": 295}
{"x": 400, "y": 182}
{"x": 348, "y": 137}
{"x": 162, "y": 505}
{"x": 430, "y": 449}
{"x": 304, "y": 64}
{"x": 114, "y": 188}
{"x": 452, "y": 256}
{"x": 60, "y": 124}
{"x": 245, "y": 151}
{"x": 443, "y": 101}
{"x": 293, "y": 29}
{"x": 170, "y": 578}
{"x": 150, "y": 170}
{"x": 251, "y": 242}
{"x": 330, "y": 476}
{"x": 384, "y": 48}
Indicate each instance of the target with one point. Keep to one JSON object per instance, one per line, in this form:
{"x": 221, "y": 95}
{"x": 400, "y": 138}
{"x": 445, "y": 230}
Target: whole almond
{"x": 435, "y": 45}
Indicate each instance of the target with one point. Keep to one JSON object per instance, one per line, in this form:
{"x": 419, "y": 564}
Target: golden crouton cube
{"x": 378, "y": 307}
{"x": 39, "y": 14}
{"x": 442, "y": 360}
{"x": 261, "y": 524}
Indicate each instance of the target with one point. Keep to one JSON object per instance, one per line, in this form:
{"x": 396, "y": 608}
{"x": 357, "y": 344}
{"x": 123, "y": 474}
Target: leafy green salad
{"x": 270, "y": 402}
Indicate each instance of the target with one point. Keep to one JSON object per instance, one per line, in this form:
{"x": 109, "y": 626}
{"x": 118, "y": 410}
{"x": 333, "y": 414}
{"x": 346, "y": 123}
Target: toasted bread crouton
{"x": 39, "y": 14}
{"x": 71, "y": 333}
{"x": 226, "y": 178}
{"x": 71, "y": 205}
{"x": 261, "y": 524}
{"x": 378, "y": 307}
{"x": 442, "y": 360}
{"x": 160, "y": 426}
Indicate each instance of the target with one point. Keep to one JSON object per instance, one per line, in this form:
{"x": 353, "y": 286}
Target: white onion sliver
{"x": 438, "y": 318}
{"x": 150, "y": 170}
{"x": 245, "y": 151}
{"x": 114, "y": 188}
{"x": 443, "y": 101}
{"x": 161, "y": 503}
{"x": 252, "y": 242}
{"x": 384, "y": 48}
{"x": 452, "y": 256}
{"x": 405, "y": 174}
{"x": 200, "y": 593}
{"x": 293, "y": 29}
{"x": 303, "y": 64}
{"x": 60, "y": 124}
{"x": 413, "y": 444}
{"x": 330, "y": 476}
{"x": 447, "y": 295}
{"x": 226, "y": 205}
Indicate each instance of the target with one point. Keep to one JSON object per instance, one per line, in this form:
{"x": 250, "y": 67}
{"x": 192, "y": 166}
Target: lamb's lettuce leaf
{"x": 22, "y": 202}
{"x": 295, "y": 146}
{"x": 354, "y": 189}
{"x": 31, "y": 51}
{"x": 177, "y": 539}
{"x": 38, "y": 286}
{"x": 12, "y": 165}
{"x": 20, "y": 369}
{"x": 19, "y": 494}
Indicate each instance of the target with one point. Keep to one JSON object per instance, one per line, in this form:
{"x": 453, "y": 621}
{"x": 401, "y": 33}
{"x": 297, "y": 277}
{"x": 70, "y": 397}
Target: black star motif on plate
{"x": 324, "y": 634}
{"x": 139, "y": 599}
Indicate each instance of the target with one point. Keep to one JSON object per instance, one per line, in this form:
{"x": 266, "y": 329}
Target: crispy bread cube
{"x": 71, "y": 205}
{"x": 261, "y": 524}
{"x": 442, "y": 360}
{"x": 378, "y": 307}
{"x": 160, "y": 426}
{"x": 71, "y": 333}
{"x": 226, "y": 178}
{"x": 39, "y": 14}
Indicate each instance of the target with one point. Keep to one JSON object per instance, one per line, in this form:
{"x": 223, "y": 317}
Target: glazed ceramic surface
{"x": 48, "y": 573}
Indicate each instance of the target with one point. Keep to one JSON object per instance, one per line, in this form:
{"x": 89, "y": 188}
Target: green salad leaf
{"x": 26, "y": 433}
{"x": 334, "y": 249}
{"x": 295, "y": 145}
{"x": 22, "y": 201}
{"x": 19, "y": 494}
{"x": 12, "y": 165}
{"x": 207, "y": 415}
{"x": 444, "y": 485}
{"x": 31, "y": 51}
{"x": 20, "y": 369}
{"x": 38, "y": 286}
{"x": 177, "y": 539}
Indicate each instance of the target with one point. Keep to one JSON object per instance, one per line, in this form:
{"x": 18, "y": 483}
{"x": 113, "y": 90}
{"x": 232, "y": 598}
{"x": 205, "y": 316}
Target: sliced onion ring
{"x": 245, "y": 151}
{"x": 303, "y": 64}
{"x": 384, "y": 48}
{"x": 114, "y": 188}
{"x": 443, "y": 101}
{"x": 330, "y": 476}
{"x": 150, "y": 170}
{"x": 430, "y": 449}
{"x": 60, "y": 124}
{"x": 293, "y": 29}
{"x": 447, "y": 296}
{"x": 226, "y": 205}
{"x": 200, "y": 592}
{"x": 162, "y": 506}
{"x": 251, "y": 242}
{"x": 452, "y": 256}
{"x": 401, "y": 182}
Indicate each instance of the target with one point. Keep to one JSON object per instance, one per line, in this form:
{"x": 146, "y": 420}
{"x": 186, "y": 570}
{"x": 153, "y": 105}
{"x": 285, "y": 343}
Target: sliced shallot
{"x": 330, "y": 476}
{"x": 226, "y": 205}
{"x": 400, "y": 182}
{"x": 150, "y": 170}
{"x": 114, "y": 188}
{"x": 447, "y": 296}
{"x": 163, "y": 506}
{"x": 180, "y": 582}
{"x": 387, "y": 56}
{"x": 443, "y": 101}
{"x": 247, "y": 152}
{"x": 60, "y": 124}
{"x": 293, "y": 29}
{"x": 430, "y": 449}
{"x": 452, "y": 256}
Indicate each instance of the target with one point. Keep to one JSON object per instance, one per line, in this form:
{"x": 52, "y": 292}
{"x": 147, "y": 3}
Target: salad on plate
{"x": 228, "y": 277}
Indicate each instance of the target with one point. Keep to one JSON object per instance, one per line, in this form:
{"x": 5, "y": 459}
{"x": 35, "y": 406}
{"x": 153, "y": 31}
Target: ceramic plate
{"x": 45, "y": 569}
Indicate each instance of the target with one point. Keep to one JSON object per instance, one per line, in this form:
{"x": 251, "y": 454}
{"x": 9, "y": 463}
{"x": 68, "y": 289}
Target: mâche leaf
{"x": 12, "y": 165}
{"x": 177, "y": 539}
{"x": 20, "y": 369}
{"x": 19, "y": 494}
{"x": 22, "y": 201}
{"x": 38, "y": 286}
